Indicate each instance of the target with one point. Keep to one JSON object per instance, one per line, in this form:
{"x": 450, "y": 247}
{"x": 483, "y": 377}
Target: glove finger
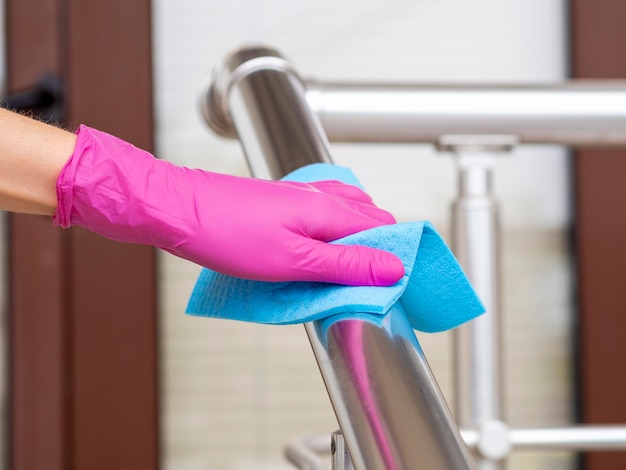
{"x": 336, "y": 222}
{"x": 343, "y": 190}
{"x": 374, "y": 212}
{"x": 353, "y": 265}
{"x": 356, "y": 199}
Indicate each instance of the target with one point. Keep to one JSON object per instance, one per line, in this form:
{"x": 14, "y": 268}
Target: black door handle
{"x": 45, "y": 100}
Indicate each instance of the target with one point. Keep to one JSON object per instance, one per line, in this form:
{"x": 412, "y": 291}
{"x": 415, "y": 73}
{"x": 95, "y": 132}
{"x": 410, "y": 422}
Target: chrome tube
{"x": 385, "y": 396}
{"x": 577, "y": 113}
{"x": 305, "y": 452}
{"x": 579, "y": 438}
{"x": 575, "y": 438}
{"x": 341, "y": 457}
{"x": 478, "y": 387}
{"x": 255, "y": 94}
{"x": 391, "y": 412}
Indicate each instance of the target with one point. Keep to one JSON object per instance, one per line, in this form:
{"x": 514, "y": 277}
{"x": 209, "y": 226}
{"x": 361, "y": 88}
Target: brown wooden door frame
{"x": 82, "y": 309}
{"x": 598, "y": 37}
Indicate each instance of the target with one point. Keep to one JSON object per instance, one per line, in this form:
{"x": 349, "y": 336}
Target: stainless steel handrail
{"x": 391, "y": 412}
{"x": 576, "y": 113}
{"x": 256, "y": 95}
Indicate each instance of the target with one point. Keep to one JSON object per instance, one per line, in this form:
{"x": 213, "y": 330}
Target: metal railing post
{"x": 478, "y": 368}
{"x": 389, "y": 407}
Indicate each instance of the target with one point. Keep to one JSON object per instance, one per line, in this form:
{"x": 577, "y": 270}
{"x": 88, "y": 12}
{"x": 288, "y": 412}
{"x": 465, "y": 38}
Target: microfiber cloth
{"x": 434, "y": 291}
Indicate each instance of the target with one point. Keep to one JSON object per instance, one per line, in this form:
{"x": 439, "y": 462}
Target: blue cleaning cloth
{"x": 434, "y": 291}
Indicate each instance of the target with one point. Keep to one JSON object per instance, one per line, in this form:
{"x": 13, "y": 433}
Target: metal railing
{"x": 369, "y": 370}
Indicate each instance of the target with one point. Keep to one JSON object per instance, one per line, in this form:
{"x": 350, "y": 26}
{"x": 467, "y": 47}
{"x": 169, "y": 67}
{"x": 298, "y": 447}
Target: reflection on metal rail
{"x": 391, "y": 412}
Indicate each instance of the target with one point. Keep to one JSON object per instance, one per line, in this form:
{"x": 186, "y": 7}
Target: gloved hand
{"x": 244, "y": 227}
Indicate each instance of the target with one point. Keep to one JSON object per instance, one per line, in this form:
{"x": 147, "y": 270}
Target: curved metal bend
{"x": 391, "y": 412}
{"x": 575, "y": 113}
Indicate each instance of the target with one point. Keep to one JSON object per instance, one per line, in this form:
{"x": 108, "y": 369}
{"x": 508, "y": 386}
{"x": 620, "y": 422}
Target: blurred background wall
{"x": 233, "y": 394}
{"x": 3, "y": 275}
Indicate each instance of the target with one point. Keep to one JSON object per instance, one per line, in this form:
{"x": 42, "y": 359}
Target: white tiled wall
{"x": 234, "y": 393}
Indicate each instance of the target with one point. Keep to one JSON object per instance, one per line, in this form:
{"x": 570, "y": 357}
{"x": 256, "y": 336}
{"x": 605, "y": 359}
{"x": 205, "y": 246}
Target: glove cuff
{"x": 106, "y": 187}
{"x": 65, "y": 182}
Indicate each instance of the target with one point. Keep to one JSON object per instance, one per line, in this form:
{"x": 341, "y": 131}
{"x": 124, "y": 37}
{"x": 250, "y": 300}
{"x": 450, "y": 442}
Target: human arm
{"x": 246, "y": 227}
{"x": 32, "y": 155}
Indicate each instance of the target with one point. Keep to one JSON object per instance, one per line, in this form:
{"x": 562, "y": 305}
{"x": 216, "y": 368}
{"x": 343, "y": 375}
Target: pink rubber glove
{"x": 244, "y": 227}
